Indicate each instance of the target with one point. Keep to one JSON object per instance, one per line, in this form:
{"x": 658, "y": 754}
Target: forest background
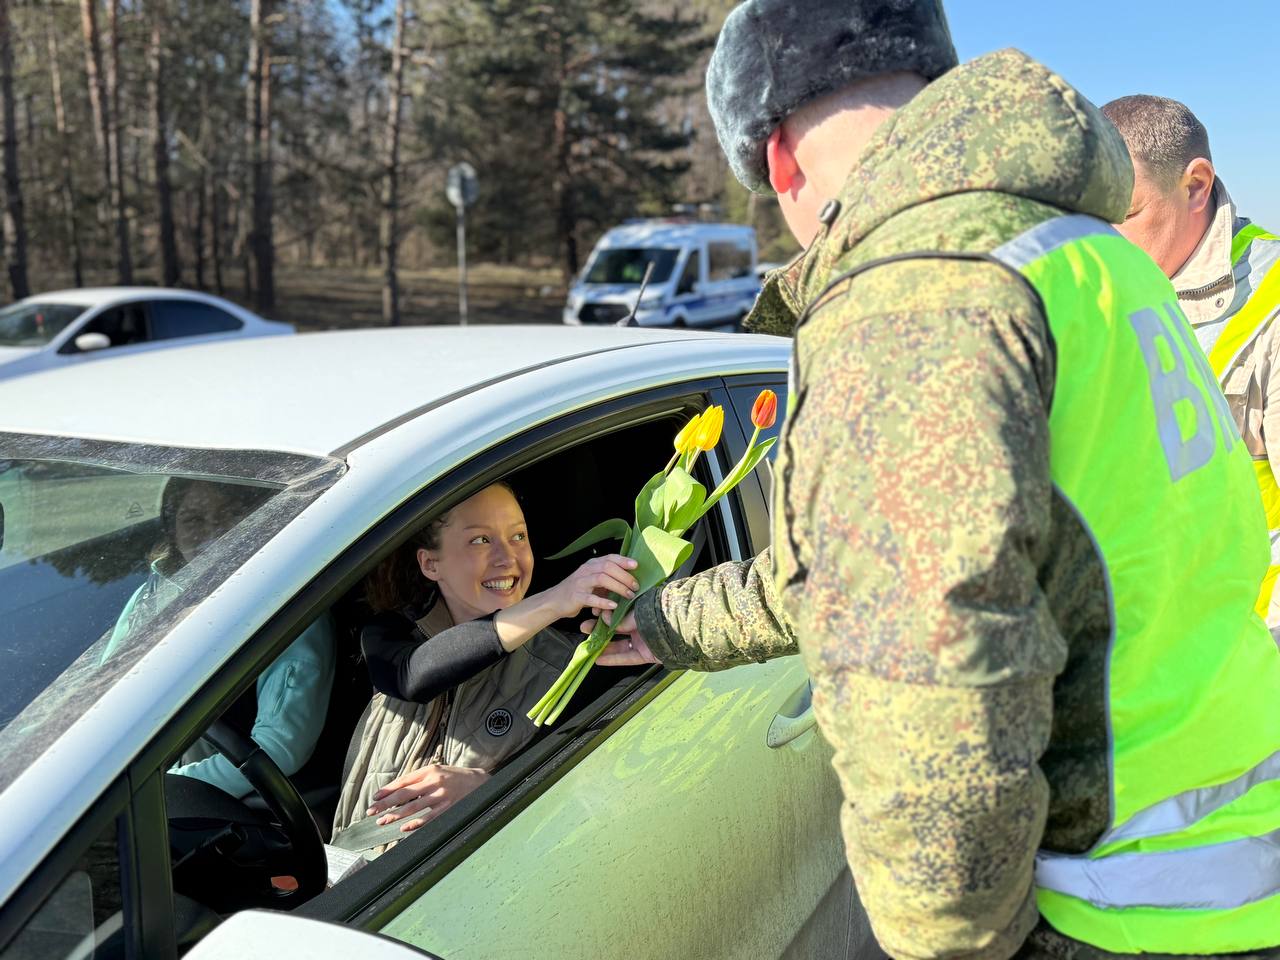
{"x": 291, "y": 154}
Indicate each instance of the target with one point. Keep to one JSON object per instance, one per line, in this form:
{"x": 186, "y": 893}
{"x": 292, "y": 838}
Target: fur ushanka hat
{"x": 774, "y": 56}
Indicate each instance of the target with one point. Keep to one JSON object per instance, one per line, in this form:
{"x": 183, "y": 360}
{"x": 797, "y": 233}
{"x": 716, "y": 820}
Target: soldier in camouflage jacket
{"x": 947, "y": 602}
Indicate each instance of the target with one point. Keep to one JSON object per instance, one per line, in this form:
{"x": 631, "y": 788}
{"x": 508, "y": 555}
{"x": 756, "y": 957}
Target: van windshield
{"x": 627, "y": 265}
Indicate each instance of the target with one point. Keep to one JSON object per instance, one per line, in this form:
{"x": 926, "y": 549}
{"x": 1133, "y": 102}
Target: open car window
{"x": 565, "y": 487}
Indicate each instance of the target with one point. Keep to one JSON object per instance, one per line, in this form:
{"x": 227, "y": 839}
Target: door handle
{"x": 794, "y": 719}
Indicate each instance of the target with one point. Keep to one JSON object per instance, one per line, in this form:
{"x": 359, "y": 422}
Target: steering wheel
{"x": 306, "y": 847}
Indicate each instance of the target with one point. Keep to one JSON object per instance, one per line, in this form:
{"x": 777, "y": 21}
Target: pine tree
{"x": 559, "y": 107}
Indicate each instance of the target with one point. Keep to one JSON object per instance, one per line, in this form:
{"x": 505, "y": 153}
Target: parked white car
{"x": 634, "y": 826}
{"x": 704, "y": 275}
{"x": 73, "y": 326}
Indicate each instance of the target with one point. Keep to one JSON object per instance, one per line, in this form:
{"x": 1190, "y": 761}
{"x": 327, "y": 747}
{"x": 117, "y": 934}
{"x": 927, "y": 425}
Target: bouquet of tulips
{"x": 666, "y": 509}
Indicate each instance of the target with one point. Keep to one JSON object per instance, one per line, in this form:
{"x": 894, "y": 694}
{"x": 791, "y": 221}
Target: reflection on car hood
{"x": 9, "y": 354}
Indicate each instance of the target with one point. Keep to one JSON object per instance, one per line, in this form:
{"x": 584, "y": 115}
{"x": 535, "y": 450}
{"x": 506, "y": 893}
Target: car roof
{"x": 313, "y": 394}
{"x": 651, "y": 232}
{"x": 95, "y": 296}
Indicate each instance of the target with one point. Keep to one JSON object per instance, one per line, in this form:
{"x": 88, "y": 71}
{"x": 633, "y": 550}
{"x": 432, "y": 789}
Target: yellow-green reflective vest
{"x": 1241, "y": 330}
{"x": 1144, "y": 448}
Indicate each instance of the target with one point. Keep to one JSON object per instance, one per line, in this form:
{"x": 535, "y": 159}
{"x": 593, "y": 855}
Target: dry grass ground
{"x": 335, "y": 298}
{"x": 344, "y": 297}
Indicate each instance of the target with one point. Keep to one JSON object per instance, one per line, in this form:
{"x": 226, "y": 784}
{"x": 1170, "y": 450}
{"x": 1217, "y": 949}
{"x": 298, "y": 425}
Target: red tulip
{"x": 765, "y": 411}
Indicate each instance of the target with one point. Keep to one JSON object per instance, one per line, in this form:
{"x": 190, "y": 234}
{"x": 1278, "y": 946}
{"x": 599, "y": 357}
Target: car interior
{"x": 230, "y": 854}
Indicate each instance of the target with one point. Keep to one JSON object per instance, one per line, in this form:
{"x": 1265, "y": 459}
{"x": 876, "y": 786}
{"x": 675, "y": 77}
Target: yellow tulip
{"x": 710, "y": 424}
{"x": 684, "y": 439}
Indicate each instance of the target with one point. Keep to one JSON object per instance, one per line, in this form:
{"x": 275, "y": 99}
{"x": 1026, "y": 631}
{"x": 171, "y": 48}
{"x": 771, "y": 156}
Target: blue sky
{"x": 1221, "y": 59}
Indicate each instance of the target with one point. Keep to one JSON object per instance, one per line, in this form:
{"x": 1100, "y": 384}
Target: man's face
{"x": 1162, "y": 220}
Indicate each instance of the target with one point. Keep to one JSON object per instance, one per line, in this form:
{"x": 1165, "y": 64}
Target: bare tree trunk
{"x": 68, "y": 185}
{"x": 115, "y": 145}
{"x": 197, "y": 227}
{"x": 15, "y": 224}
{"x": 562, "y": 189}
{"x": 562, "y": 180}
{"x": 389, "y": 234}
{"x": 205, "y": 208}
{"x": 171, "y": 270}
{"x": 215, "y": 234}
{"x": 104, "y": 99}
{"x": 261, "y": 242}
{"x": 97, "y": 98}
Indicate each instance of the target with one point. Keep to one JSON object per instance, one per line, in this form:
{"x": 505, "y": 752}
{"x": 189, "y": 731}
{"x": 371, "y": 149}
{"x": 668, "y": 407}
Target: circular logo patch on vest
{"x": 498, "y": 723}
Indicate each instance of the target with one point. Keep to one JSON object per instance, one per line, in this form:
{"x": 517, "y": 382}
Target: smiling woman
{"x": 454, "y": 684}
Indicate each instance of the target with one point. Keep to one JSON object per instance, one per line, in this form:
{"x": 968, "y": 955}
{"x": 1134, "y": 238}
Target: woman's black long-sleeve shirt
{"x": 405, "y": 664}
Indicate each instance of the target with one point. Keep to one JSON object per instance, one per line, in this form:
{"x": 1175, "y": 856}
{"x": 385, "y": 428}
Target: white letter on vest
{"x": 1168, "y": 389}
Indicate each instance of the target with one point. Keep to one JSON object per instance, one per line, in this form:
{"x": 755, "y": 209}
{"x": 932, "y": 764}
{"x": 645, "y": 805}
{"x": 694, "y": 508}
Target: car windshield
{"x": 627, "y": 265}
{"x": 98, "y": 543}
{"x": 34, "y": 324}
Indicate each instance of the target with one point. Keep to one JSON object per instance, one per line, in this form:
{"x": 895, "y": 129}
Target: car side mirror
{"x": 88, "y": 342}
{"x": 267, "y": 935}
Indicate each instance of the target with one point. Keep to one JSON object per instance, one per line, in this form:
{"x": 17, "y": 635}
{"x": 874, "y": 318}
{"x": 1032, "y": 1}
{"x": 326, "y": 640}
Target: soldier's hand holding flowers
{"x": 667, "y": 507}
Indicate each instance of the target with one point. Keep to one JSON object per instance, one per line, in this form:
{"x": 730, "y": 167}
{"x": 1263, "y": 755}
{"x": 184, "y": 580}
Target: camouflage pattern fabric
{"x": 946, "y": 601}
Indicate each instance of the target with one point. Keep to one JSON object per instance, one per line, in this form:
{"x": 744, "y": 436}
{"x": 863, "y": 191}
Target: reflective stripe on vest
{"x": 1241, "y": 330}
{"x": 1190, "y": 859}
{"x": 1240, "y": 242}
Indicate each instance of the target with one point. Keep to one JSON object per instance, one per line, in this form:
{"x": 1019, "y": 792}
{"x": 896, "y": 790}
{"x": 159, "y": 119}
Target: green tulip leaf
{"x": 659, "y": 554}
{"x": 615, "y": 529}
{"x": 649, "y": 502}
{"x": 739, "y": 473}
{"x": 682, "y": 499}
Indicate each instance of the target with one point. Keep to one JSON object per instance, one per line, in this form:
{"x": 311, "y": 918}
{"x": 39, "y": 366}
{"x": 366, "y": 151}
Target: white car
{"x": 69, "y": 327}
{"x": 666, "y": 814}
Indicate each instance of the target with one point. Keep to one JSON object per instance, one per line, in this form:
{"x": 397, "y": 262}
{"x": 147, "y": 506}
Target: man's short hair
{"x": 1162, "y": 134}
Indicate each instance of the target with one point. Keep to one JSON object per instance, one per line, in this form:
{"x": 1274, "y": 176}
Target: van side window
{"x": 727, "y": 260}
{"x": 692, "y": 273}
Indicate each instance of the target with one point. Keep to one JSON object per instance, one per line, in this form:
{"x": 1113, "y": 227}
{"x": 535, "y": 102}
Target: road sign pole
{"x": 462, "y": 265}
{"x": 462, "y": 189}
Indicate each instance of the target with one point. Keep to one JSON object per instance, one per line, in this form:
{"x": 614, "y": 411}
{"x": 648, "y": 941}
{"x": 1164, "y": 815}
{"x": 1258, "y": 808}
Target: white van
{"x": 704, "y": 274}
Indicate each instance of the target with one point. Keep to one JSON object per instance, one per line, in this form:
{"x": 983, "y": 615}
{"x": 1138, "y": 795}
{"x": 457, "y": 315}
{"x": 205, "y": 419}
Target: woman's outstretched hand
{"x": 587, "y": 586}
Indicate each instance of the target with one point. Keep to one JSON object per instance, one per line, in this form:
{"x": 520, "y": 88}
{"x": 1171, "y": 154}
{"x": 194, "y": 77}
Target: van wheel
{"x": 679, "y": 322}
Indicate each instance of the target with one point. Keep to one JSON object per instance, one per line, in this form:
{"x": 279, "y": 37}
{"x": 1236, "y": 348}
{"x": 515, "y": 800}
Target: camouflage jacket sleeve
{"x": 915, "y": 507}
{"x": 778, "y": 305}
{"x": 725, "y": 616}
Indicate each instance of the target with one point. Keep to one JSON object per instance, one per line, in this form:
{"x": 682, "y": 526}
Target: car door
{"x": 730, "y": 286}
{"x": 94, "y": 895}
{"x": 687, "y": 302}
{"x": 706, "y": 825}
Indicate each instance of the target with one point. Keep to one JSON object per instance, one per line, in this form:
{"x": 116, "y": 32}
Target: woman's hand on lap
{"x": 423, "y": 794}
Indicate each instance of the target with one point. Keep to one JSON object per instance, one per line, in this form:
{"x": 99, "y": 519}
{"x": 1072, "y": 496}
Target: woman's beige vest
{"x": 480, "y": 723}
